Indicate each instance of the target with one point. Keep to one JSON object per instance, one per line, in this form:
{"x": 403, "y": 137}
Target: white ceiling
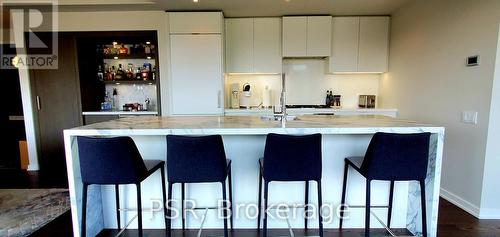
{"x": 242, "y": 8}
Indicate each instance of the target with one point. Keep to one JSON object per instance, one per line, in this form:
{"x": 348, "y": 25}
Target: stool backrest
{"x": 393, "y": 156}
{"x": 196, "y": 159}
{"x": 292, "y": 158}
{"x": 110, "y": 160}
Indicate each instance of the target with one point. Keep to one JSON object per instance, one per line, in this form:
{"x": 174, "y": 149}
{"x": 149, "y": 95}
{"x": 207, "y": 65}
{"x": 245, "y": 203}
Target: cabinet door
{"x": 267, "y": 45}
{"x": 239, "y": 45}
{"x": 196, "y": 66}
{"x": 294, "y": 36}
{"x": 345, "y": 33}
{"x": 373, "y": 44}
{"x": 195, "y": 22}
{"x": 319, "y": 33}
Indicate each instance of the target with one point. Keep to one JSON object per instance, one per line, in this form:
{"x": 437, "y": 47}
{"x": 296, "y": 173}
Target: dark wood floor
{"x": 453, "y": 222}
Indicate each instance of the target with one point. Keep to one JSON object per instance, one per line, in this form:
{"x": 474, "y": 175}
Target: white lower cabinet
{"x": 197, "y": 76}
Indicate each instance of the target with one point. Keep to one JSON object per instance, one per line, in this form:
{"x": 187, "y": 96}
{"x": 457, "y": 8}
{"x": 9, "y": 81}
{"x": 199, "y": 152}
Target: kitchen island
{"x": 244, "y": 140}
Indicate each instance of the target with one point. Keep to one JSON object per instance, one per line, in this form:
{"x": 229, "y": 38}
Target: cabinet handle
{"x": 218, "y": 99}
{"x": 38, "y": 104}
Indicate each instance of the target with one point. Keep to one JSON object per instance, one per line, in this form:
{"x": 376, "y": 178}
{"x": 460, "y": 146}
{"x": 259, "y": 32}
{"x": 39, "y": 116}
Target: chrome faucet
{"x": 281, "y": 115}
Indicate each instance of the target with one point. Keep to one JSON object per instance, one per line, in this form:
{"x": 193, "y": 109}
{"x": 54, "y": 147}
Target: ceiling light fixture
{"x": 195, "y": 0}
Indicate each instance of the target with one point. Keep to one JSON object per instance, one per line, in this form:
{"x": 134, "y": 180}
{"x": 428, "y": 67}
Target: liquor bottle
{"x": 138, "y": 74}
{"x": 122, "y": 50}
{"x": 331, "y": 98}
{"x": 119, "y": 73}
{"x": 147, "y": 49}
{"x": 153, "y": 50}
{"x": 327, "y": 98}
{"x": 130, "y": 71}
{"x": 153, "y": 73}
{"x": 145, "y": 73}
{"x": 100, "y": 73}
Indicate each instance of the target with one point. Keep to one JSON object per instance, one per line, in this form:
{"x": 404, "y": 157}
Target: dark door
{"x": 56, "y": 100}
{"x": 11, "y": 115}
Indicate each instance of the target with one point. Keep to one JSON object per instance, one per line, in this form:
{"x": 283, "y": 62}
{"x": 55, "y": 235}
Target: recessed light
{"x": 115, "y": 57}
{"x": 195, "y": 0}
{"x": 115, "y": 43}
{"x": 147, "y": 42}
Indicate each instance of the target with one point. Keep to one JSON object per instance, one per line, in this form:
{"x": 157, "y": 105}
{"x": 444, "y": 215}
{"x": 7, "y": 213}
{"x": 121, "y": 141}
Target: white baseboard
{"x": 490, "y": 213}
{"x": 461, "y": 203}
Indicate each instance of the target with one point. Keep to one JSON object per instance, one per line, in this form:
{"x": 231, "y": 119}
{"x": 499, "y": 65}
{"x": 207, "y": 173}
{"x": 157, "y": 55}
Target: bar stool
{"x": 290, "y": 158}
{"x": 197, "y": 160}
{"x": 105, "y": 161}
{"x": 391, "y": 157}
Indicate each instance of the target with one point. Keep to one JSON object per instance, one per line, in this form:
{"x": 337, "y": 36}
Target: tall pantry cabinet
{"x": 196, "y": 61}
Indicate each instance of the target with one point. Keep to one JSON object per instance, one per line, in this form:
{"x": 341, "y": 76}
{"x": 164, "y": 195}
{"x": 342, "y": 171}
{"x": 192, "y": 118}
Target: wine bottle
{"x": 100, "y": 73}
{"x": 119, "y": 74}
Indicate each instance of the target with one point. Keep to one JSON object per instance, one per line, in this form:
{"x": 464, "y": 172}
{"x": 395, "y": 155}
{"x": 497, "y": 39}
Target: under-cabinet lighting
{"x": 147, "y": 42}
{"x": 115, "y": 43}
{"x": 148, "y": 57}
{"x": 115, "y": 57}
{"x": 252, "y": 73}
{"x": 118, "y": 83}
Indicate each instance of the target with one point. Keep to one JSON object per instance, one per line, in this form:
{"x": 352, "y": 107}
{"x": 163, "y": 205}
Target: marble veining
{"x": 239, "y": 125}
{"x": 23, "y": 211}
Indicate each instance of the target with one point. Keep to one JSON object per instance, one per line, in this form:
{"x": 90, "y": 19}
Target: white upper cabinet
{"x": 195, "y": 22}
{"x": 267, "y": 45}
{"x": 239, "y": 45}
{"x": 344, "y": 56}
{"x": 294, "y": 36}
{"x": 359, "y": 44}
{"x": 373, "y": 44}
{"x": 253, "y": 45}
{"x": 319, "y": 36}
{"x": 306, "y": 36}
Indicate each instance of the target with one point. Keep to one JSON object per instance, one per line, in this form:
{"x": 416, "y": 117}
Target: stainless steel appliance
{"x": 235, "y": 96}
{"x": 367, "y": 101}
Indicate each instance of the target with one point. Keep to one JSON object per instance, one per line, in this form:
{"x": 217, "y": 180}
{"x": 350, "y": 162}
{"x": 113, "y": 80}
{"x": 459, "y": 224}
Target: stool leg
{"x": 259, "y": 205}
{"x": 391, "y": 197}
{"x": 224, "y": 206}
{"x": 183, "y": 197}
{"x": 84, "y": 211}
{"x": 117, "y": 197}
{"x": 424, "y": 210}
{"x": 306, "y": 202}
{"x": 367, "y": 209}
{"x": 320, "y": 204}
{"x": 344, "y": 189}
{"x": 230, "y": 184}
{"x": 164, "y": 195}
{"x": 139, "y": 209}
{"x": 169, "y": 210}
{"x": 266, "y": 192}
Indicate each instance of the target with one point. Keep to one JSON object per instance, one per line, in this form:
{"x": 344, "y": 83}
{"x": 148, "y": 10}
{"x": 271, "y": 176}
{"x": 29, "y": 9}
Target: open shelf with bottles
{"x": 126, "y": 62}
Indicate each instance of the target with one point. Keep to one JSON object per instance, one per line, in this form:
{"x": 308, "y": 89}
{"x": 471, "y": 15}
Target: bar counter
{"x": 244, "y": 139}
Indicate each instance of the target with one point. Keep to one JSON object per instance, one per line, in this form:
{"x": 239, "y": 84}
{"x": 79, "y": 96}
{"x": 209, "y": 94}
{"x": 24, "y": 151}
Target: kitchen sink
{"x": 278, "y": 118}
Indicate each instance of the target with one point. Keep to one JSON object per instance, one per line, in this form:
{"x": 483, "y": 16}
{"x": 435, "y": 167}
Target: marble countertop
{"x": 252, "y": 125}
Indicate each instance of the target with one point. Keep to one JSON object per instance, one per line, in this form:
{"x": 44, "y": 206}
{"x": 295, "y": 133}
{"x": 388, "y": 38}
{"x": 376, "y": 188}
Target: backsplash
{"x": 306, "y": 83}
{"x": 133, "y": 93}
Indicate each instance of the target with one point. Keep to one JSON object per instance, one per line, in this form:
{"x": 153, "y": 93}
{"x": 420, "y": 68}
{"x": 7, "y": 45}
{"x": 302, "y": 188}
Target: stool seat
{"x": 390, "y": 157}
{"x": 115, "y": 161}
{"x": 290, "y": 158}
{"x": 198, "y": 159}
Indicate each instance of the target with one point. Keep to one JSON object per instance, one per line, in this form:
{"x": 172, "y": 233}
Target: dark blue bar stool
{"x": 197, "y": 160}
{"x": 105, "y": 161}
{"x": 391, "y": 157}
{"x": 290, "y": 158}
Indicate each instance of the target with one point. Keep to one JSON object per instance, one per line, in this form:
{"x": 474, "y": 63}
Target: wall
{"x": 428, "y": 81}
{"x": 489, "y": 199}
